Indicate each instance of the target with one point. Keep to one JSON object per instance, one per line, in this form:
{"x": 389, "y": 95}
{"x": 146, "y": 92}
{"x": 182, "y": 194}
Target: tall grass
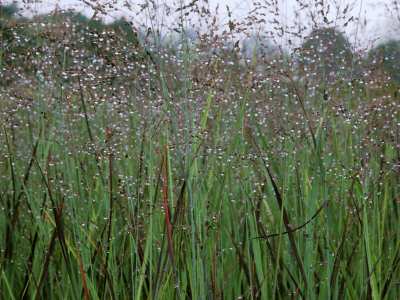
{"x": 197, "y": 176}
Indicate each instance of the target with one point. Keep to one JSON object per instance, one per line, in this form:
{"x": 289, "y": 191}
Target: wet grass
{"x": 197, "y": 177}
{"x": 313, "y": 216}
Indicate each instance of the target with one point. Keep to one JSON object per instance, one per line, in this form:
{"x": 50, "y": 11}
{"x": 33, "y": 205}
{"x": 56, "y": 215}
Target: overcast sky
{"x": 379, "y": 23}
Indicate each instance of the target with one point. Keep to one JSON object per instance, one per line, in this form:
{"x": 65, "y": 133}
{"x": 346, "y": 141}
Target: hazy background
{"x": 377, "y": 23}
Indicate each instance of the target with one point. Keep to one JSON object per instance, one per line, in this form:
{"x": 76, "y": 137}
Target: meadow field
{"x": 197, "y": 165}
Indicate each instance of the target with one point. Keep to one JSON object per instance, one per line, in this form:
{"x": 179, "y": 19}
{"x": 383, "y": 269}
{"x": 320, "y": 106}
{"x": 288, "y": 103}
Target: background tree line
{"x": 325, "y": 53}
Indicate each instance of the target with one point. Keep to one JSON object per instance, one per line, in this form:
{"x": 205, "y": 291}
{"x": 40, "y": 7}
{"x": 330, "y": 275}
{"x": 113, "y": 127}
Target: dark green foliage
{"x": 26, "y": 47}
{"x": 326, "y": 52}
{"x": 388, "y": 56}
{"x": 8, "y": 11}
{"x": 124, "y": 28}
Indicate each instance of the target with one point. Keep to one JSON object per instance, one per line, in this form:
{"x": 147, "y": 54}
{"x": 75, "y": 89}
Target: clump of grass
{"x": 131, "y": 168}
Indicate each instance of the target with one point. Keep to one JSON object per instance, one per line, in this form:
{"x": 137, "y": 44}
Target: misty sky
{"x": 379, "y": 23}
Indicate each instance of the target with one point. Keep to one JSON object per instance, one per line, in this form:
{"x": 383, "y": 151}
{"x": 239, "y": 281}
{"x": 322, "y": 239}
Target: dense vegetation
{"x": 132, "y": 168}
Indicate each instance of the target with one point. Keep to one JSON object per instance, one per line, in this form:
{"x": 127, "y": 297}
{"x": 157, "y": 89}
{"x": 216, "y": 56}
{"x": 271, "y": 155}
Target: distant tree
{"x": 387, "y": 55}
{"x": 65, "y": 42}
{"x": 124, "y": 28}
{"x": 326, "y": 54}
{"x": 8, "y": 11}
